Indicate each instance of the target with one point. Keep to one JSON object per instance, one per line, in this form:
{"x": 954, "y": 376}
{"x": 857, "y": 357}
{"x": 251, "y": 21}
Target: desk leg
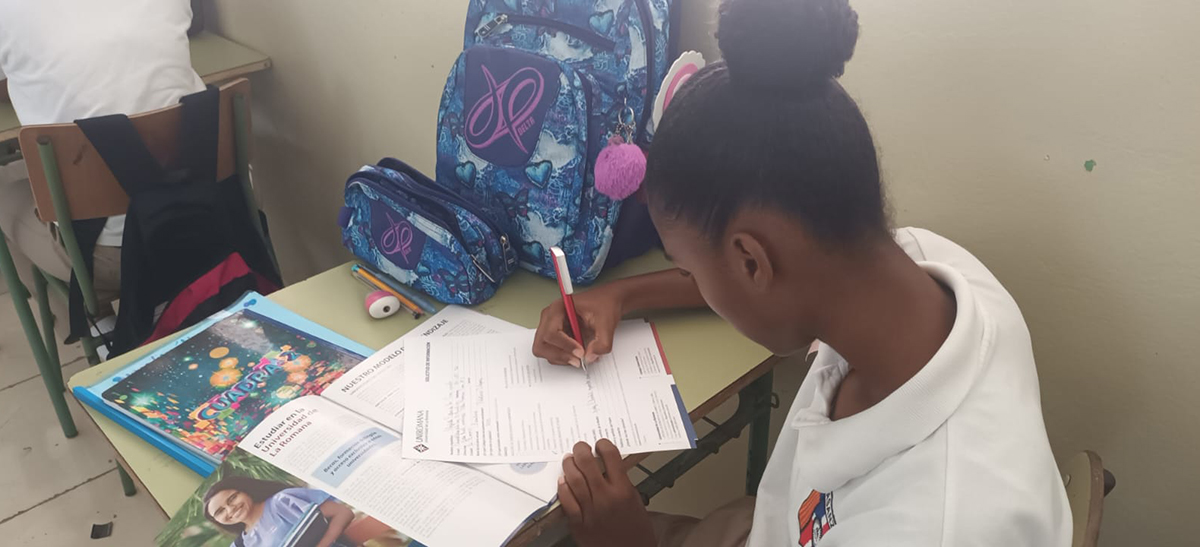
{"x": 50, "y": 377}
{"x": 760, "y": 429}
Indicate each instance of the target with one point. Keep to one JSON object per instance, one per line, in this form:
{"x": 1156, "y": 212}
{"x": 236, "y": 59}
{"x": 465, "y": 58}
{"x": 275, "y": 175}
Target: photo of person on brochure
{"x": 249, "y": 503}
{"x": 267, "y": 513}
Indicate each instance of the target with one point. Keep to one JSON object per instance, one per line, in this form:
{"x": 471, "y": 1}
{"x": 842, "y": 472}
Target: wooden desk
{"x": 214, "y": 58}
{"x": 710, "y": 360}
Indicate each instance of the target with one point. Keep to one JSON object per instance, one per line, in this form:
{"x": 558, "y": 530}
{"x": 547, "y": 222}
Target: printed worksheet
{"x": 487, "y": 399}
{"x": 376, "y": 390}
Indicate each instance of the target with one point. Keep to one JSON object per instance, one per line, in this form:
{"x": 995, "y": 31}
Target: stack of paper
{"x": 487, "y": 399}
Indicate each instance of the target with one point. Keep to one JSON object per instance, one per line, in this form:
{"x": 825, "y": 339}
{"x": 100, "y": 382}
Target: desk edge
{"x": 238, "y": 71}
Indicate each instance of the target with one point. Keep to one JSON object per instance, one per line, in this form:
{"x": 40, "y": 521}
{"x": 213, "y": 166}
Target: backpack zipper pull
{"x": 491, "y": 26}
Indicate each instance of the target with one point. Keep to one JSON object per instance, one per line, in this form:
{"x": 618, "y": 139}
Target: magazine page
{"x": 358, "y": 462}
{"x": 251, "y": 500}
{"x": 209, "y": 391}
{"x": 375, "y": 389}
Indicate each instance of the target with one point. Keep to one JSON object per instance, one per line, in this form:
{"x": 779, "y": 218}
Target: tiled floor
{"x": 54, "y": 489}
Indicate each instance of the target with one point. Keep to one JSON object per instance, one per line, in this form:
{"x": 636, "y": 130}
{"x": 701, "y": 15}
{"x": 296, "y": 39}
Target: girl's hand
{"x": 603, "y": 509}
{"x": 599, "y": 310}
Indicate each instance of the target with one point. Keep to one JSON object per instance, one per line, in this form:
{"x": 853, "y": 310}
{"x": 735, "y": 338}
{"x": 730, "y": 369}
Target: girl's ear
{"x": 752, "y": 264}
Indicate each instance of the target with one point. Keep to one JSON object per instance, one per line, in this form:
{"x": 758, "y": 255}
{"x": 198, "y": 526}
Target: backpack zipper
{"x": 593, "y": 38}
{"x": 402, "y": 200}
{"x": 411, "y": 202}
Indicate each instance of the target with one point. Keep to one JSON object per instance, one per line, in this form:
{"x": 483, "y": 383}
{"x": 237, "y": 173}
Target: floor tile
{"x": 35, "y": 459}
{"x": 67, "y": 520}
{"x": 16, "y": 359}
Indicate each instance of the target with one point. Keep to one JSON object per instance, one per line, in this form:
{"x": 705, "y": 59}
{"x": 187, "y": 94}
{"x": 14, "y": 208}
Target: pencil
{"x": 379, "y": 285}
{"x": 401, "y": 288}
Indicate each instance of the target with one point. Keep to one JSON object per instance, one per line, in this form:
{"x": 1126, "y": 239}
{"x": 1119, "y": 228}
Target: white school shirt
{"x": 73, "y": 59}
{"x": 957, "y": 456}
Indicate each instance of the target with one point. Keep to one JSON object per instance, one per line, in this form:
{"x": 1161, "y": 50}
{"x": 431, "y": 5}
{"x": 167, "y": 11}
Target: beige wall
{"x": 352, "y": 82}
{"x": 984, "y": 115}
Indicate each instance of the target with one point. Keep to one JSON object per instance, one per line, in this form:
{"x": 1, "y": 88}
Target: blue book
{"x": 197, "y": 396}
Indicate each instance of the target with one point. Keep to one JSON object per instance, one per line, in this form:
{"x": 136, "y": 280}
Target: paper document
{"x": 375, "y": 389}
{"x": 484, "y": 399}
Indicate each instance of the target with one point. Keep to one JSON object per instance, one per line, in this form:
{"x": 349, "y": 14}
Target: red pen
{"x": 567, "y": 289}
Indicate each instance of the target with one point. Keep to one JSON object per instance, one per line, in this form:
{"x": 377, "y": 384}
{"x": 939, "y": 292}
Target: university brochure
{"x": 340, "y": 452}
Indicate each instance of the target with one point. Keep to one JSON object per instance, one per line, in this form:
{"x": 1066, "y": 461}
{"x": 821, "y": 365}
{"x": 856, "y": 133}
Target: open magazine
{"x": 314, "y": 470}
{"x": 316, "y": 458}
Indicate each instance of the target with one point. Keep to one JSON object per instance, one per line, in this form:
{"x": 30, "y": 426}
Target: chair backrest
{"x": 1084, "y": 478}
{"x": 91, "y": 190}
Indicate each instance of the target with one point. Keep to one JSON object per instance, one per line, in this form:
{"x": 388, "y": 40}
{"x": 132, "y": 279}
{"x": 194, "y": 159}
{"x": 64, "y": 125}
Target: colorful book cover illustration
{"x": 211, "y": 390}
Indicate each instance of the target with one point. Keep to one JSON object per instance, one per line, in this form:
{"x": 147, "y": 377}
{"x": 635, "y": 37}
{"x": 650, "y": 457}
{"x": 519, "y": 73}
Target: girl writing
{"x": 920, "y": 421}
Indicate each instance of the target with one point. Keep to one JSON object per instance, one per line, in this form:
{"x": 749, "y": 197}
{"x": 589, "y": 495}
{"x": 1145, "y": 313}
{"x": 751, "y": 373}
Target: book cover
{"x": 209, "y": 391}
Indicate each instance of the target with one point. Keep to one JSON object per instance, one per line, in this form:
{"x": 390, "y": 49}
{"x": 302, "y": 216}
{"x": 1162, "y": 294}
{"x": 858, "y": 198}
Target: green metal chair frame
{"x": 43, "y": 344}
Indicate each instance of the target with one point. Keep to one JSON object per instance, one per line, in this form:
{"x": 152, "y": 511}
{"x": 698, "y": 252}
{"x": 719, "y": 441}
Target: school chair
{"x": 1087, "y": 482}
{"x": 74, "y": 183}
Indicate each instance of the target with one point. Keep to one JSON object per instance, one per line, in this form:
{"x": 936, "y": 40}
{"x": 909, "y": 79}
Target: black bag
{"x": 189, "y": 241}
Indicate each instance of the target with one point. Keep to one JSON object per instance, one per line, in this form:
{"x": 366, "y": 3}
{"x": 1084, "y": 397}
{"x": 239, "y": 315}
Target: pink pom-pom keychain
{"x": 621, "y": 166}
{"x": 620, "y": 169}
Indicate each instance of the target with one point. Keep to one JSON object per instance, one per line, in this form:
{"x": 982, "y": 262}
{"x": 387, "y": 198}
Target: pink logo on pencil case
{"x": 396, "y": 237}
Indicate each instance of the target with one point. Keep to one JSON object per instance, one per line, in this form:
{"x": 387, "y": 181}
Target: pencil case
{"x": 445, "y": 244}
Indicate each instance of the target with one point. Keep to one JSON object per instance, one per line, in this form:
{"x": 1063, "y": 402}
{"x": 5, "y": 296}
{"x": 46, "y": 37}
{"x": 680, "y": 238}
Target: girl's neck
{"x": 887, "y": 320}
{"x": 254, "y": 515}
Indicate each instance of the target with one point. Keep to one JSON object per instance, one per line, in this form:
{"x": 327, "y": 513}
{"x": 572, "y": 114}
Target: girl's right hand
{"x": 599, "y": 310}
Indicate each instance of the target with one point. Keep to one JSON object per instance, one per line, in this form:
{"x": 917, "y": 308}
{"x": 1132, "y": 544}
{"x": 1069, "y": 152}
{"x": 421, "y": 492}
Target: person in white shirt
{"x": 72, "y": 59}
{"x": 919, "y": 423}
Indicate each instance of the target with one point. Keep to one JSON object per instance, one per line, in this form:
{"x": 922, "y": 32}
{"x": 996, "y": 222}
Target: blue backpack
{"x": 539, "y": 90}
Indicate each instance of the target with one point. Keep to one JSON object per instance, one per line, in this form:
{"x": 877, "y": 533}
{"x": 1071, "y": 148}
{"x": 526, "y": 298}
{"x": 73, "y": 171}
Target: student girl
{"x": 919, "y": 424}
{"x": 262, "y": 513}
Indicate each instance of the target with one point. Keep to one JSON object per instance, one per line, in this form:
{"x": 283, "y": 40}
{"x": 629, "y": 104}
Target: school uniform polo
{"x": 957, "y": 456}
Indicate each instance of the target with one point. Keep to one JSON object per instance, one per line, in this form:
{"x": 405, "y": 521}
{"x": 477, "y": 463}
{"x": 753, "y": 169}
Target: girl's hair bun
{"x": 786, "y": 44}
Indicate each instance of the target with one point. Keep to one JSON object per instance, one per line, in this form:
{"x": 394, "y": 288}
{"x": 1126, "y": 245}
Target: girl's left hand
{"x": 603, "y": 509}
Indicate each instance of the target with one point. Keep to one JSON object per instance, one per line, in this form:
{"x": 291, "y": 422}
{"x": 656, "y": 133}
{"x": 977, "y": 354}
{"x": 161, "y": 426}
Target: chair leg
{"x": 50, "y": 377}
{"x": 51, "y": 342}
{"x": 126, "y": 481}
{"x": 89, "y": 350}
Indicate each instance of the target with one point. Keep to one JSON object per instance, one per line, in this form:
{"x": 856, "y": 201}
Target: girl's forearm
{"x": 667, "y": 289}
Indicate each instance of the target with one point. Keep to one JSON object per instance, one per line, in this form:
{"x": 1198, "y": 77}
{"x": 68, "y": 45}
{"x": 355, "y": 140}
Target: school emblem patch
{"x": 816, "y": 518}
